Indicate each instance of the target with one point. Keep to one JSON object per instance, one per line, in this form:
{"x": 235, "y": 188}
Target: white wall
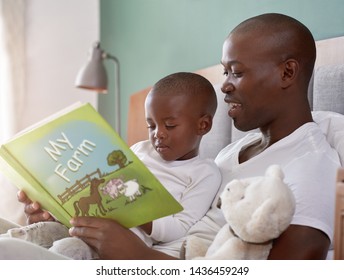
{"x": 59, "y": 34}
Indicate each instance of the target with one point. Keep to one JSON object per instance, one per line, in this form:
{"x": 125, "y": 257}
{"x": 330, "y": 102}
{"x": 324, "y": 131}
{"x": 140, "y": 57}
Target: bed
{"x": 326, "y": 96}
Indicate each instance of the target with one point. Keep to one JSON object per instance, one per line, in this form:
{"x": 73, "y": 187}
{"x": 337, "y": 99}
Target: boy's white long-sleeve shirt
{"x": 194, "y": 183}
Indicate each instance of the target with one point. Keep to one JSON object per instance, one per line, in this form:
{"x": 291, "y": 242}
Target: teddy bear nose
{"x": 218, "y": 205}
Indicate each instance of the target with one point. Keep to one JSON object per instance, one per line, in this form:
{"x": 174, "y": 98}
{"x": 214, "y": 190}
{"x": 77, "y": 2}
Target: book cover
{"x": 75, "y": 164}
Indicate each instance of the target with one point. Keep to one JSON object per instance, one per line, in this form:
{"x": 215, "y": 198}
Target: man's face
{"x": 252, "y": 81}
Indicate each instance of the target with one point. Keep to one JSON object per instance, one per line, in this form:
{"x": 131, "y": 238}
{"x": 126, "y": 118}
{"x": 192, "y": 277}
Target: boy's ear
{"x": 289, "y": 72}
{"x": 204, "y": 124}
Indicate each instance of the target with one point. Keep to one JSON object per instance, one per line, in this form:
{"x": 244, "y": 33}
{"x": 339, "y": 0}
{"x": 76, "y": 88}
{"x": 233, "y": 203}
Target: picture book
{"x": 75, "y": 164}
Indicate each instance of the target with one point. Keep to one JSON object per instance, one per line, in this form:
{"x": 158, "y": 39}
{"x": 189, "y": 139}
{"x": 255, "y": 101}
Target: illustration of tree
{"x": 117, "y": 157}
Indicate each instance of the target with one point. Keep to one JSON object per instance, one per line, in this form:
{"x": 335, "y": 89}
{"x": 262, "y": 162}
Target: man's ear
{"x": 289, "y": 72}
{"x": 204, "y": 124}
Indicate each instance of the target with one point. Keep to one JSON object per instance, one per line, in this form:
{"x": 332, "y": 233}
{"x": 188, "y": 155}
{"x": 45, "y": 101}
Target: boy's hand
{"x": 33, "y": 211}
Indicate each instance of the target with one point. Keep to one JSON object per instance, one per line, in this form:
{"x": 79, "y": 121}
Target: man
{"x": 268, "y": 61}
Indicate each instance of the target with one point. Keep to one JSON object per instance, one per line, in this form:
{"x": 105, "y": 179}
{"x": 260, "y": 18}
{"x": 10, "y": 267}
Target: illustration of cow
{"x": 111, "y": 188}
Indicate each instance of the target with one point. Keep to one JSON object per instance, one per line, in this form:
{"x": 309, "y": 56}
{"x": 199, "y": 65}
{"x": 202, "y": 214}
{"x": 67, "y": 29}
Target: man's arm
{"x": 300, "y": 243}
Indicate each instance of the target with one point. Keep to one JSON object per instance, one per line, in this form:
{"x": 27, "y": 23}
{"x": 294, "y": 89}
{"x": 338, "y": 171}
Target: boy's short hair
{"x": 187, "y": 83}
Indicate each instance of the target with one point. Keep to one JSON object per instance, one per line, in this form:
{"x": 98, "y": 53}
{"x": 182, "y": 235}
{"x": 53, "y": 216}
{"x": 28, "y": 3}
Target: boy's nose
{"x": 160, "y": 134}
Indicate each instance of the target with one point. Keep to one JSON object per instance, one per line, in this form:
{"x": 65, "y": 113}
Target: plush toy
{"x": 257, "y": 210}
{"x": 42, "y": 233}
{"x": 74, "y": 248}
{"x": 55, "y": 237}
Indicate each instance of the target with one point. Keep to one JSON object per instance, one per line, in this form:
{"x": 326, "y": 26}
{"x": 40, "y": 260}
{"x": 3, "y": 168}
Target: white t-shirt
{"x": 194, "y": 183}
{"x": 309, "y": 165}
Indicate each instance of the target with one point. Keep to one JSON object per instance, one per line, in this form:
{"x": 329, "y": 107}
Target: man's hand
{"x": 111, "y": 240}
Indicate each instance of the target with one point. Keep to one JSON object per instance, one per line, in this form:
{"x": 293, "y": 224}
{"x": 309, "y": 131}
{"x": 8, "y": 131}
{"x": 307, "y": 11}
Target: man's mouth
{"x": 234, "y": 109}
{"x": 234, "y": 106}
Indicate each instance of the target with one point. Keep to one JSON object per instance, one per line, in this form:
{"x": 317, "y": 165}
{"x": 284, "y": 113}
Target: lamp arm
{"x": 109, "y": 56}
{"x": 117, "y": 91}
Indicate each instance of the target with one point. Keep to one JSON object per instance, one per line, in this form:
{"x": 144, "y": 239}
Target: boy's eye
{"x": 170, "y": 126}
{"x": 150, "y": 126}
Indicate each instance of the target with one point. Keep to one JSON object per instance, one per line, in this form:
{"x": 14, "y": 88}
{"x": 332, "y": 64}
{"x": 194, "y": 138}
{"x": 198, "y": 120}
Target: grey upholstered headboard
{"x": 326, "y": 91}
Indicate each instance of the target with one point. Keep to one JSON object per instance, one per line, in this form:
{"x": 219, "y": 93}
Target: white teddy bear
{"x": 257, "y": 210}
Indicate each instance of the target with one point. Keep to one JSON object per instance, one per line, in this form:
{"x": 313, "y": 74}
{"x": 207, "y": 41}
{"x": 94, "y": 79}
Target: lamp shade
{"x": 93, "y": 75}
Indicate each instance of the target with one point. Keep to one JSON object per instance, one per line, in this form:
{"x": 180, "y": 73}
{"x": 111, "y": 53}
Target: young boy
{"x": 179, "y": 111}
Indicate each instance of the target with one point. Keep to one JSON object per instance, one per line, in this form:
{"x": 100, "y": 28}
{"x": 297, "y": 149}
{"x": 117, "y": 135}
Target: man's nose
{"x": 227, "y": 87}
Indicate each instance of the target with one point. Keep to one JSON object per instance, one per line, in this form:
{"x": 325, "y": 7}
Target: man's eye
{"x": 233, "y": 74}
{"x": 237, "y": 74}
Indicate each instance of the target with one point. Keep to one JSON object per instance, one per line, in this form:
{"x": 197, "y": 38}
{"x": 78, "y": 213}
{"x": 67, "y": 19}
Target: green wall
{"x": 152, "y": 38}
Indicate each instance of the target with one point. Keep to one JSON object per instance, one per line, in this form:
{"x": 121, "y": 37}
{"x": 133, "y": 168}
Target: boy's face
{"x": 173, "y": 126}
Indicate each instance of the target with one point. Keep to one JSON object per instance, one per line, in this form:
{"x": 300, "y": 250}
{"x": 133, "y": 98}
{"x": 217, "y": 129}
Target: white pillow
{"x": 220, "y": 134}
{"x": 332, "y": 124}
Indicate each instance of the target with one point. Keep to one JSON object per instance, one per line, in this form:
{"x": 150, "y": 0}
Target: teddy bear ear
{"x": 275, "y": 171}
